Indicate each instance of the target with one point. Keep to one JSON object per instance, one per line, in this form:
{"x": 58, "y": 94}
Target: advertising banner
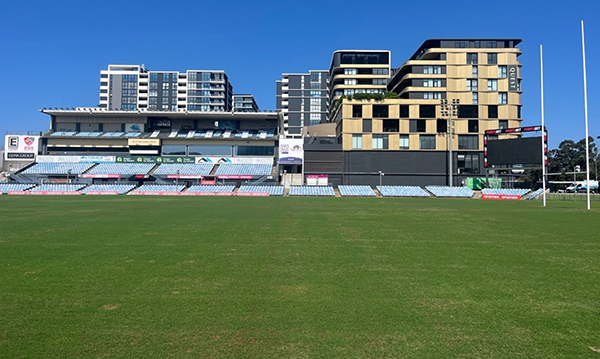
{"x": 236, "y": 160}
{"x": 153, "y": 193}
{"x": 513, "y": 81}
{"x": 235, "y": 177}
{"x": 19, "y": 148}
{"x": 102, "y": 193}
{"x": 75, "y": 159}
{"x": 134, "y": 127}
{"x": 510, "y": 197}
{"x": 184, "y": 176}
{"x": 143, "y": 142}
{"x": 253, "y": 194}
{"x": 100, "y": 176}
{"x": 291, "y": 151}
{"x": 19, "y": 193}
{"x": 154, "y": 159}
{"x": 56, "y": 193}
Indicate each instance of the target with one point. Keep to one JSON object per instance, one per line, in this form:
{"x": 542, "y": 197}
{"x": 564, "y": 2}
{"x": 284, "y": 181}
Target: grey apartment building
{"x": 302, "y": 99}
{"x": 133, "y": 87}
{"x": 244, "y": 103}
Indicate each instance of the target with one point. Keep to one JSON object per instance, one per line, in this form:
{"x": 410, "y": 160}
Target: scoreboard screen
{"x": 522, "y": 151}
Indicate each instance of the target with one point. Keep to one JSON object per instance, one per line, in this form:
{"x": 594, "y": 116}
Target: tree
{"x": 570, "y": 154}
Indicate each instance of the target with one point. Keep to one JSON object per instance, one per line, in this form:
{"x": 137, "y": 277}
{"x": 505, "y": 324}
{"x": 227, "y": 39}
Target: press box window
{"x": 468, "y": 163}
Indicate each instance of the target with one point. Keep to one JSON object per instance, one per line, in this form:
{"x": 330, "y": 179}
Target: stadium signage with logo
{"x": 143, "y": 142}
{"x": 154, "y": 159}
{"x": 511, "y": 197}
{"x": 291, "y": 151}
{"x": 236, "y": 160}
{"x": 20, "y": 147}
{"x": 75, "y": 159}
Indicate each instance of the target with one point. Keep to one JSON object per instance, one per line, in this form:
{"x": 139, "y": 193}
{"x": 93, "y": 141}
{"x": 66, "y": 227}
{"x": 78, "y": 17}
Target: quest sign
{"x": 513, "y": 79}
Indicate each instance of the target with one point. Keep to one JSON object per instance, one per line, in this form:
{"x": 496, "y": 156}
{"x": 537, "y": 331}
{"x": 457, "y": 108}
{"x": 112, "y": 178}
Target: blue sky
{"x": 52, "y": 52}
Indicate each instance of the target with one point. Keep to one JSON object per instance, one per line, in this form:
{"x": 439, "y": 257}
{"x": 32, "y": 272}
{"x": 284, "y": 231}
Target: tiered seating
{"x": 112, "y": 187}
{"x": 535, "y": 194}
{"x": 8, "y": 187}
{"x": 273, "y": 190}
{"x": 62, "y": 133}
{"x": 58, "y": 187}
{"x": 151, "y": 187}
{"x": 402, "y": 191}
{"x": 133, "y": 134}
{"x": 506, "y": 191}
{"x": 356, "y": 191}
{"x": 122, "y": 168}
{"x": 326, "y": 191}
{"x": 211, "y": 188}
{"x": 88, "y": 134}
{"x": 113, "y": 134}
{"x": 445, "y": 191}
{"x": 184, "y": 169}
{"x": 58, "y": 168}
{"x": 230, "y": 169}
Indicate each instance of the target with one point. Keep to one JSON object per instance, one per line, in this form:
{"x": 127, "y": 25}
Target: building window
{"x": 468, "y": 163}
{"x": 430, "y": 69}
{"x": 380, "y": 111}
{"x": 404, "y": 142}
{"x": 404, "y": 111}
{"x": 427, "y": 111}
{"x": 391, "y": 125}
{"x": 492, "y": 85}
{"x": 315, "y": 77}
{"x": 493, "y": 111}
{"x": 356, "y": 142}
{"x": 468, "y": 111}
{"x": 379, "y": 81}
{"x": 472, "y": 58}
{"x": 502, "y": 71}
{"x": 471, "y": 84}
{"x": 380, "y": 71}
{"x": 442, "y": 126}
{"x": 367, "y": 125}
{"x": 475, "y": 99}
{"x": 432, "y": 83}
{"x": 432, "y": 95}
{"x": 468, "y": 142}
{"x": 357, "y": 111}
{"x": 380, "y": 142}
{"x": 475, "y": 71}
{"x": 349, "y": 71}
{"x": 502, "y": 98}
{"x": 492, "y": 44}
{"x": 421, "y": 126}
{"x": 349, "y": 81}
{"x": 502, "y": 124}
{"x": 427, "y": 142}
{"x": 492, "y": 59}
{"x": 473, "y": 125}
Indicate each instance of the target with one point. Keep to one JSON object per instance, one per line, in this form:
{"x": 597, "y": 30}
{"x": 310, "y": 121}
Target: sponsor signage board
{"x": 19, "y": 147}
{"x": 511, "y": 197}
{"x": 75, "y": 159}
{"x": 100, "y": 176}
{"x": 253, "y": 194}
{"x": 235, "y": 160}
{"x": 55, "y": 193}
{"x": 291, "y": 151}
{"x": 102, "y": 193}
{"x": 143, "y": 142}
{"x": 154, "y": 159}
{"x": 235, "y": 177}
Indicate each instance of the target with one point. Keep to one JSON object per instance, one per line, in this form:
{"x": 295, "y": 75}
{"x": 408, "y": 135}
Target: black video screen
{"x": 522, "y": 151}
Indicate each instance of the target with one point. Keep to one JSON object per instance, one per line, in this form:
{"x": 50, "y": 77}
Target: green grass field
{"x": 153, "y": 277}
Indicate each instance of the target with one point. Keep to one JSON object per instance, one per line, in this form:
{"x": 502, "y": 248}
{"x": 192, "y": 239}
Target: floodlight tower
{"x": 449, "y": 110}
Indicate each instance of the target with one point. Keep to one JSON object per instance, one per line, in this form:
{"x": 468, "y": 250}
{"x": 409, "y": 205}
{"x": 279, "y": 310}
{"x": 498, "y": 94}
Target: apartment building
{"x": 133, "y": 87}
{"x": 244, "y": 103}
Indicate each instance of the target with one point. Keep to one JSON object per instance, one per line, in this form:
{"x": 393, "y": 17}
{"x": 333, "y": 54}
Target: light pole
{"x": 381, "y": 174}
{"x": 69, "y": 175}
{"x": 449, "y": 109}
{"x": 177, "y": 178}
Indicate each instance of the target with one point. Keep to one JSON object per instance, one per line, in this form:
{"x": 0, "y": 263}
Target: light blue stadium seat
{"x": 356, "y": 191}
{"x": 402, "y": 191}
{"x": 272, "y": 190}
